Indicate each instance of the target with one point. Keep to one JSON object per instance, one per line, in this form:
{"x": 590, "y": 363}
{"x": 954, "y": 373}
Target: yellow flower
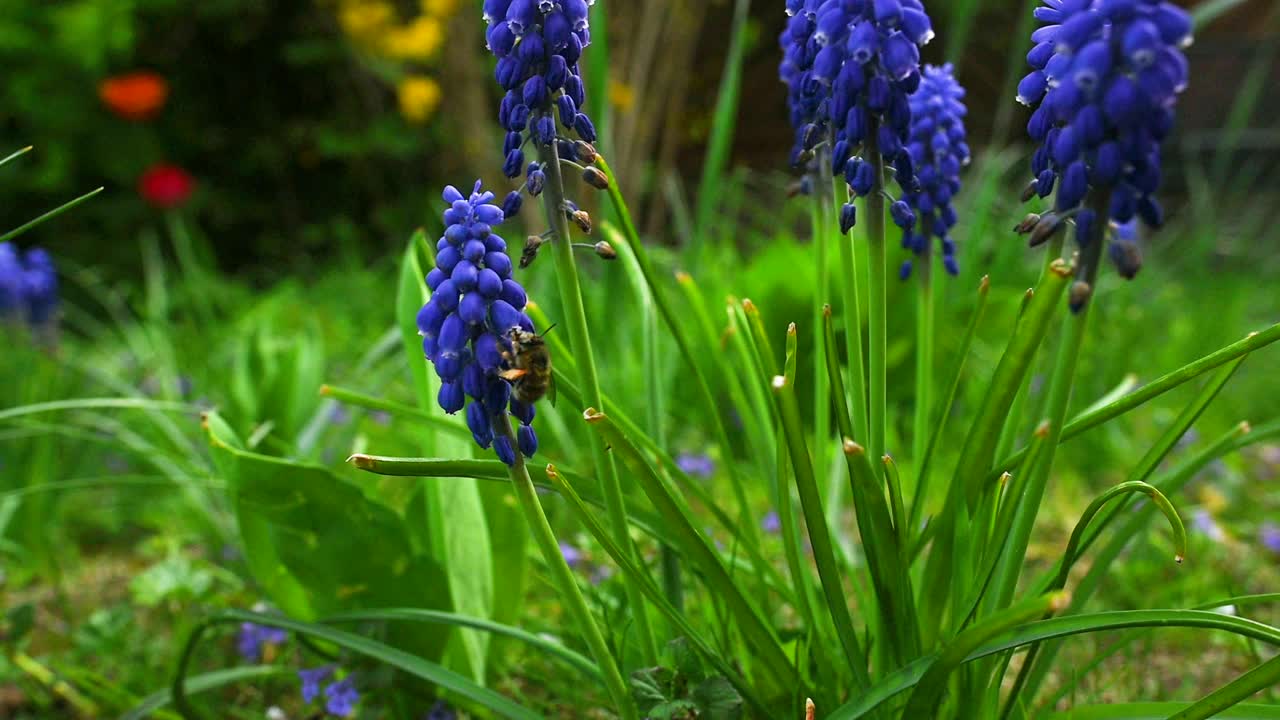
{"x": 418, "y": 40}
{"x": 419, "y": 98}
{"x": 365, "y": 19}
{"x": 440, "y": 8}
{"x": 621, "y": 95}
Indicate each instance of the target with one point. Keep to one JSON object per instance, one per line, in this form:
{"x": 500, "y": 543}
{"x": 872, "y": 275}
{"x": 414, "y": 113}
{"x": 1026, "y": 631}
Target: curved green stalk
{"x": 877, "y": 323}
{"x": 924, "y": 359}
{"x": 584, "y": 356}
{"x": 567, "y": 584}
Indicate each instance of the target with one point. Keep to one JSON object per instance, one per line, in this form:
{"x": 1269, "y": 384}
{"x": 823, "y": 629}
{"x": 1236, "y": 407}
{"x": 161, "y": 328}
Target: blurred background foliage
{"x": 312, "y": 128}
{"x": 318, "y": 134}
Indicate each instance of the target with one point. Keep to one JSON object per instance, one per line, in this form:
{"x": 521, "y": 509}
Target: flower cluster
{"x": 938, "y": 151}
{"x": 28, "y": 286}
{"x": 340, "y": 696}
{"x": 850, "y": 66}
{"x": 1105, "y": 76}
{"x": 538, "y": 44}
{"x": 466, "y": 326}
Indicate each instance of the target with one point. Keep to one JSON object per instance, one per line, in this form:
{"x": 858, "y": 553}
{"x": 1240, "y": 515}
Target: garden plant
{"x": 941, "y": 445}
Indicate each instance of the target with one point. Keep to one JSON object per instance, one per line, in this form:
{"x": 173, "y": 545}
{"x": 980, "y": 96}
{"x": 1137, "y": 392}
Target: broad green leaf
{"x": 318, "y": 546}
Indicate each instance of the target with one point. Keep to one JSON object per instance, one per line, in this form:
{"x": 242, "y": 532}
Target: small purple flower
{"x": 28, "y": 286}
{"x": 600, "y": 574}
{"x": 340, "y": 698}
{"x": 339, "y": 414}
{"x": 441, "y": 711}
{"x": 253, "y": 637}
{"x": 311, "y": 680}
{"x": 572, "y": 555}
{"x": 696, "y": 465}
{"x": 1269, "y": 535}
{"x": 771, "y": 523}
{"x": 1204, "y": 523}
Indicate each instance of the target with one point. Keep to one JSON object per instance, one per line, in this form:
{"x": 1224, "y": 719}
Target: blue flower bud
{"x": 451, "y": 397}
{"x": 502, "y": 446}
{"x": 512, "y": 204}
{"x": 527, "y": 441}
{"x": 848, "y": 217}
{"x": 479, "y": 424}
{"x": 902, "y": 215}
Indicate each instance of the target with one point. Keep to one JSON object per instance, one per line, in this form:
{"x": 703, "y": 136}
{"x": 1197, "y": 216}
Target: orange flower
{"x": 134, "y": 96}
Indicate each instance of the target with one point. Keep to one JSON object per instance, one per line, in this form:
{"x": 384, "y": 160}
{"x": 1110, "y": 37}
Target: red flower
{"x": 166, "y": 186}
{"x": 134, "y": 96}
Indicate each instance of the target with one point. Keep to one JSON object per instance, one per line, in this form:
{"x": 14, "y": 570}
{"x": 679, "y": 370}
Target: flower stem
{"x": 567, "y": 584}
{"x": 575, "y": 318}
{"x": 822, "y": 219}
{"x": 924, "y": 361}
{"x": 853, "y": 323}
{"x": 878, "y": 337}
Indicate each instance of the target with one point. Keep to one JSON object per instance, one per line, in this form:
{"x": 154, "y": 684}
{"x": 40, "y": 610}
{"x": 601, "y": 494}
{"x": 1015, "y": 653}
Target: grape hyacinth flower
{"x": 938, "y": 151}
{"x": 253, "y": 637}
{"x": 538, "y": 44}
{"x": 1104, "y": 81}
{"x": 850, "y": 66}
{"x": 311, "y": 679}
{"x": 441, "y": 711}
{"x": 465, "y": 326}
{"x": 1269, "y": 535}
{"x": 340, "y": 698}
{"x": 572, "y": 555}
{"x": 771, "y": 523}
{"x": 695, "y": 465}
{"x": 28, "y": 286}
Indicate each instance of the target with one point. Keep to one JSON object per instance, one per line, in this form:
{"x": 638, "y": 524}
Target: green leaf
{"x": 48, "y": 216}
{"x": 1042, "y": 630}
{"x": 203, "y": 683}
{"x": 1161, "y": 711}
{"x": 718, "y": 700}
{"x": 318, "y": 546}
{"x": 411, "y": 295}
{"x": 1259, "y": 678}
{"x": 407, "y": 662}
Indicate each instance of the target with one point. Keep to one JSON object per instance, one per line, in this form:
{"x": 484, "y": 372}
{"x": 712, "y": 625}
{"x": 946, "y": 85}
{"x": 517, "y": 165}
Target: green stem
{"x": 567, "y": 584}
{"x": 853, "y": 324}
{"x": 878, "y": 338}
{"x": 924, "y": 362}
{"x": 580, "y": 343}
{"x": 822, "y": 219}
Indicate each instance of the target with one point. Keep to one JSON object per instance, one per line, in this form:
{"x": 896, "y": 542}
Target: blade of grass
{"x": 1259, "y": 678}
{"x": 416, "y": 666}
{"x": 49, "y": 215}
{"x": 673, "y": 614}
{"x": 1054, "y": 628}
{"x": 723, "y": 120}
{"x": 683, "y": 532}
{"x": 1190, "y": 371}
{"x": 815, "y": 519}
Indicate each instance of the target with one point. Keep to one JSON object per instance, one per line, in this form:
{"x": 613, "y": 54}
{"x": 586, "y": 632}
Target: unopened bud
{"x": 1079, "y": 294}
{"x": 1031, "y": 190}
{"x": 596, "y": 179}
{"x": 1050, "y": 224}
{"x": 531, "y": 246}
{"x": 585, "y": 151}
{"x": 582, "y": 220}
{"x": 1127, "y": 257}
{"x": 606, "y": 251}
{"x": 1028, "y": 224}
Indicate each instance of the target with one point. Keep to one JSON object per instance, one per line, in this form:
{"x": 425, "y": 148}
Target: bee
{"x": 528, "y": 366}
